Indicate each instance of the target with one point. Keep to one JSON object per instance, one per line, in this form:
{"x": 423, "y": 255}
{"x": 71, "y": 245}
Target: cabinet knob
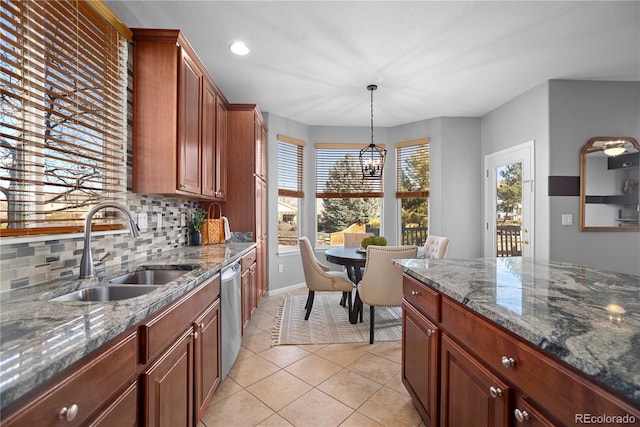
{"x": 415, "y": 293}
{"x": 521, "y": 416}
{"x": 201, "y": 325}
{"x": 430, "y": 332}
{"x": 182, "y": 186}
{"x": 195, "y": 335}
{"x": 508, "y": 362}
{"x": 495, "y": 392}
{"x": 68, "y": 414}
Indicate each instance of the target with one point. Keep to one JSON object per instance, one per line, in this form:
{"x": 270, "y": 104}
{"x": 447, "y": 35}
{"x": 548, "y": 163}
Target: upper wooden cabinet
{"x": 179, "y": 120}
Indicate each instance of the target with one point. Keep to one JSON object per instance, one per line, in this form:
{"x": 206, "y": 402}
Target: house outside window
{"x": 290, "y": 190}
{"x": 63, "y": 114}
{"x": 412, "y": 190}
{"x": 345, "y": 202}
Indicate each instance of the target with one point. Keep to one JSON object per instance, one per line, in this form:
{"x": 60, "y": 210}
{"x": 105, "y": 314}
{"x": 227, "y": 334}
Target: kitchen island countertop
{"x": 40, "y": 338}
{"x": 587, "y": 318}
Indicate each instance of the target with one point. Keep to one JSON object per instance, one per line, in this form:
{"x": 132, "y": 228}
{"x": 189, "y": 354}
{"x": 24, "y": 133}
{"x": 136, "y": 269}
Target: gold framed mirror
{"x": 609, "y": 184}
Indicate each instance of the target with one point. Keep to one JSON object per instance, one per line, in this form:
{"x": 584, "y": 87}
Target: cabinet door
{"x": 168, "y": 386}
{"x": 189, "y": 101}
{"x": 526, "y": 414}
{"x": 221, "y": 149}
{"x": 255, "y": 288}
{"x": 420, "y": 353}
{"x": 207, "y": 367}
{"x": 471, "y": 394}
{"x": 208, "y": 139}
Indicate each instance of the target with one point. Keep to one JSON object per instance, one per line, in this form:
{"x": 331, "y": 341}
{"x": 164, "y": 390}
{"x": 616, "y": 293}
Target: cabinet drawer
{"x": 157, "y": 333}
{"x": 422, "y": 297}
{"x": 88, "y": 387}
{"x": 248, "y": 259}
{"x": 123, "y": 412}
{"x": 554, "y": 386}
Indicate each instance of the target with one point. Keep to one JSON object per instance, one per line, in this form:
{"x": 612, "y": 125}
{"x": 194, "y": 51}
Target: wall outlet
{"x": 280, "y": 268}
{"x": 159, "y": 221}
{"x": 567, "y": 219}
{"x": 142, "y": 221}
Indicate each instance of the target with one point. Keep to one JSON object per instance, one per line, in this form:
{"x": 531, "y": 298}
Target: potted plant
{"x": 197, "y": 219}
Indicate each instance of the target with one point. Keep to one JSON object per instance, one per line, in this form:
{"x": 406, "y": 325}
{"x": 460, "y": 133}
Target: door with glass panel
{"x": 509, "y": 199}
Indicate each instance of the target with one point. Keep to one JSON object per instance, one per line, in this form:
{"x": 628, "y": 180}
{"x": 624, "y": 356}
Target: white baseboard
{"x": 286, "y": 289}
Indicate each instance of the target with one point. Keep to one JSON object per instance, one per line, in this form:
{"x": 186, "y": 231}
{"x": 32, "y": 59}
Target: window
{"x": 63, "y": 111}
{"x": 412, "y": 189}
{"x": 345, "y": 202}
{"x": 290, "y": 193}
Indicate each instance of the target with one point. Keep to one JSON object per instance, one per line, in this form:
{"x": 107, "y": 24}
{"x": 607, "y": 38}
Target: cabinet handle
{"x": 430, "y": 332}
{"x": 68, "y": 414}
{"x": 182, "y": 186}
{"x": 195, "y": 335}
{"x": 201, "y": 325}
{"x": 521, "y": 416}
{"x": 415, "y": 293}
{"x": 495, "y": 392}
{"x": 508, "y": 362}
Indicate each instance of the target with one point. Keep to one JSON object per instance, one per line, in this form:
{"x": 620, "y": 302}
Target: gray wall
{"x": 523, "y": 119}
{"x": 579, "y": 111}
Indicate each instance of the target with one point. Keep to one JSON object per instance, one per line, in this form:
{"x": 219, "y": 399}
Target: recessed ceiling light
{"x": 239, "y": 48}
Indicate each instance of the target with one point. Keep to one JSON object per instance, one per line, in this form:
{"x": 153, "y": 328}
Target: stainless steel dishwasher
{"x": 231, "y": 317}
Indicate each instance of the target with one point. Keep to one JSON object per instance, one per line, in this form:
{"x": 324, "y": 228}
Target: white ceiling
{"x": 311, "y": 61}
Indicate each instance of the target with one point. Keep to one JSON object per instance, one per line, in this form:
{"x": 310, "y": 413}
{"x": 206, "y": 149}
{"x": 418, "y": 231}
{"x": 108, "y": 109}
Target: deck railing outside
{"x": 508, "y": 240}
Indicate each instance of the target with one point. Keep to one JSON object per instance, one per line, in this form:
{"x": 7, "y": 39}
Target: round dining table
{"x": 354, "y": 260}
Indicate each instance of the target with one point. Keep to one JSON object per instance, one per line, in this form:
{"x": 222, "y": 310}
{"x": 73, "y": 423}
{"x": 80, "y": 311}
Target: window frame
{"x": 404, "y": 150}
{"x": 293, "y": 182}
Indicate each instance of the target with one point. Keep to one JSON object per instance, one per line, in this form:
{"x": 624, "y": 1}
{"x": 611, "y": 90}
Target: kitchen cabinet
{"x": 106, "y": 379}
{"x": 179, "y": 120}
{"x": 207, "y": 363}
{"x": 168, "y": 386}
{"x": 487, "y": 375}
{"x": 250, "y": 291}
{"x": 247, "y": 167}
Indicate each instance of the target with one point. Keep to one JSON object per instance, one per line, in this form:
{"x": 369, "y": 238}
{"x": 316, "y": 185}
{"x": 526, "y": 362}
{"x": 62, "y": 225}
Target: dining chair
{"x": 318, "y": 277}
{"x": 352, "y": 240}
{"x": 435, "y": 247}
{"x": 381, "y": 284}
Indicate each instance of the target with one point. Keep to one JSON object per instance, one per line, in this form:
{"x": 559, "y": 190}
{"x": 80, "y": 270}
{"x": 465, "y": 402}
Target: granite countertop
{"x": 587, "y": 318}
{"x": 40, "y": 338}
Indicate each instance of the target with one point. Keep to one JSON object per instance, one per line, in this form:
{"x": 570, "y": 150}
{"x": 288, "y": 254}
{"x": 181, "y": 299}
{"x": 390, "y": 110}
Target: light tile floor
{"x": 310, "y": 385}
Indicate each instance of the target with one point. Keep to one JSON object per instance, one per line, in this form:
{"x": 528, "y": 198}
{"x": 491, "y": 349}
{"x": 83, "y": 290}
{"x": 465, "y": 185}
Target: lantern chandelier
{"x": 372, "y": 156}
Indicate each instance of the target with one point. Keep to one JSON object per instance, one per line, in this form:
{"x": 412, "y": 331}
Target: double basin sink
{"x": 140, "y": 282}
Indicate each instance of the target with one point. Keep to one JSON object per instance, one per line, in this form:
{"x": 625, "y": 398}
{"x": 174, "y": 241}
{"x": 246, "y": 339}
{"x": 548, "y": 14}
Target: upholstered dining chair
{"x": 381, "y": 284}
{"x": 318, "y": 277}
{"x": 352, "y": 240}
{"x": 435, "y": 247}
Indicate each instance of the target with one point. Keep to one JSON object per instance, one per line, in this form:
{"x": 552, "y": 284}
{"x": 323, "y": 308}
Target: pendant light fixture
{"x": 372, "y": 156}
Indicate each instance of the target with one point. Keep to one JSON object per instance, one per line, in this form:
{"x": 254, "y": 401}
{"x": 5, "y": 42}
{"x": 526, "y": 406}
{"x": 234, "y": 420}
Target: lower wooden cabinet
{"x": 207, "y": 367}
{"x": 122, "y": 412}
{"x": 168, "y": 386}
{"x": 420, "y": 362}
{"x": 471, "y": 394}
{"x": 252, "y": 291}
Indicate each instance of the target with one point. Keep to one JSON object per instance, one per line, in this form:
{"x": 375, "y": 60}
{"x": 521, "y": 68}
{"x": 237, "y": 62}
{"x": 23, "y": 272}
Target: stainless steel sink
{"x": 148, "y": 277}
{"x": 106, "y": 293}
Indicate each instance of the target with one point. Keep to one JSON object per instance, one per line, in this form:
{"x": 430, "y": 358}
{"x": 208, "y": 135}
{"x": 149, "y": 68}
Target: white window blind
{"x": 338, "y": 173}
{"x": 63, "y": 112}
{"x": 290, "y": 166}
{"x": 412, "y": 168}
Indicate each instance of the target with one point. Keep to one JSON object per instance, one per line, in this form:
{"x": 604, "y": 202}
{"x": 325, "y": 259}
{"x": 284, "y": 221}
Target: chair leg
{"x": 371, "y": 323}
{"x": 343, "y": 299}
{"x": 349, "y": 301}
{"x": 309, "y": 304}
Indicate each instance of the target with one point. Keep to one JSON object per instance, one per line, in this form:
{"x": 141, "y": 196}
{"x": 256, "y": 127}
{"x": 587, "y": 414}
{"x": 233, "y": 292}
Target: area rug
{"x": 329, "y": 322}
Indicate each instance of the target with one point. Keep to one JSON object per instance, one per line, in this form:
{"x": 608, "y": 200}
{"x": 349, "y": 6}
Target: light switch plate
{"x": 567, "y": 219}
{"x": 142, "y": 221}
